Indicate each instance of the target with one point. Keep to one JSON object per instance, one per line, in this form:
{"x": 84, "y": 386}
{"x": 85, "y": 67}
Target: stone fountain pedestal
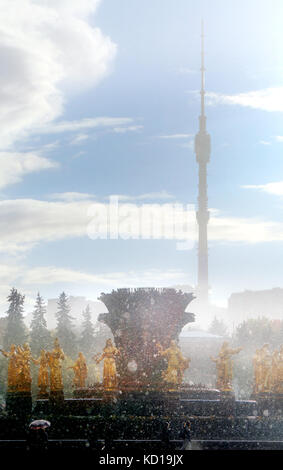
{"x": 18, "y": 404}
{"x": 269, "y": 403}
{"x": 161, "y": 402}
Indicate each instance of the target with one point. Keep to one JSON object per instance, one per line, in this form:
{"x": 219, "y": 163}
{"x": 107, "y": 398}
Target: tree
{"x": 40, "y": 337}
{"x": 16, "y": 332}
{"x": 64, "y": 328}
{"x": 87, "y": 335}
{"x": 218, "y": 327}
{"x": 254, "y": 332}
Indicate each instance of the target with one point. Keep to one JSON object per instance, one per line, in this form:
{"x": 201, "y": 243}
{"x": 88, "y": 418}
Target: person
{"x": 37, "y": 439}
{"x": 166, "y": 434}
{"x": 185, "y": 434}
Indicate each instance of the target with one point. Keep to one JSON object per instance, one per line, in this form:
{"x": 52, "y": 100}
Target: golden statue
{"x": 176, "y": 363}
{"x": 224, "y": 367}
{"x": 219, "y": 372}
{"x": 13, "y": 368}
{"x": 55, "y": 358}
{"x": 109, "y": 367}
{"x": 274, "y": 373}
{"x": 257, "y": 371}
{"x": 43, "y": 377}
{"x": 280, "y": 371}
{"x": 24, "y": 359}
{"x": 266, "y": 365}
{"x": 80, "y": 370}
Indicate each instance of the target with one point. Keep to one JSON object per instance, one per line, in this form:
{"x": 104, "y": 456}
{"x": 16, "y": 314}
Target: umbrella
{"x": 39, "y": 424}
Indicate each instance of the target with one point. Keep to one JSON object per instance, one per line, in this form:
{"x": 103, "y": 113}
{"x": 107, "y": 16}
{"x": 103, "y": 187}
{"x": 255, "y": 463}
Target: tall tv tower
{"x": 202, "y": 150}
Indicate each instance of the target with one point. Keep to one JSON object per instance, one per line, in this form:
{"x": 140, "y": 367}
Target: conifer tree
{"x": 15, "y": 332}
{"x": 218, "y": 327}
{"x": 40, "y": 337}
{"x": 87, "y": 335}
{"x": 64, "y": 330}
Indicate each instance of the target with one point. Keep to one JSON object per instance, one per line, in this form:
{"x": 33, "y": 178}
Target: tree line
{"x": 38, "y": 335}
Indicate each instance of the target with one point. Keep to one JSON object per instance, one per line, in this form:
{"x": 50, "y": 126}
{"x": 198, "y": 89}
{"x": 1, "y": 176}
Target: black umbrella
{"x": 39, "y": 424}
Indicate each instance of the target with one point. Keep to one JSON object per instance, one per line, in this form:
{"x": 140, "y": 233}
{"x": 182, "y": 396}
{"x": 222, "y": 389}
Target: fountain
{"x": 140, "y": 320}
{"x": 146, "y": 323}
{"x": 143, "y": 387}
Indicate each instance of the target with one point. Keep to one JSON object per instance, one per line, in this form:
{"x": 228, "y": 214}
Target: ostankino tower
{"x": 202, "y": 150}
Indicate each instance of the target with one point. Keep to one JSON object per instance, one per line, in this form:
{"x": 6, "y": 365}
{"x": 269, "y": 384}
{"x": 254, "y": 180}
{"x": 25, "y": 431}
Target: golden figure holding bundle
{"x": 266, "y": 364}
{"x": 280, "y": 371}
{"x": 257, "y": 371}
{"x": 176, "y": 363}
{"x": 43, "y": 376}
{"x": 224, "y": 367}
{"x": 24, "y": 360}
{"x": 55, "y": 359}
{"x": 80, "y": 371}
{"x": 268, "y": 370}
{"x": 13, "y": 367}
{"x": 110, "y": 352}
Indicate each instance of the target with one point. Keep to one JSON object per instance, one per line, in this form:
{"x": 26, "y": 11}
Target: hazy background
{"x": 101, "y": 98}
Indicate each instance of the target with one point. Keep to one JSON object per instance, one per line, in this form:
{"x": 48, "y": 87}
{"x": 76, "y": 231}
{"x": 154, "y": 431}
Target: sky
{"x": 99, "y": 108}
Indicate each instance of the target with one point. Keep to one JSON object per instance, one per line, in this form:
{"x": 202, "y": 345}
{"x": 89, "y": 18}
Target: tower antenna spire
{"x": 202, "y": 150}
{"x": 202, "y": 70}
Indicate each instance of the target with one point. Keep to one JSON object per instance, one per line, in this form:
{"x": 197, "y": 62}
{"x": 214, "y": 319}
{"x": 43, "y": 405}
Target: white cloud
{"x": 83, "y": 124}
{"x": 279, "y": 138}
{"x": 46, "y": 48}
{"x": 30, "y": 279}
{"x": 78, "y": 139}
{"x": 146, "y": 196}
{"x": 27, "y": 222}
{"x": 268, "y": 99}
{"x": 13, "y": 166}
{"x": 187, "y": 71}
{"x": 244, "y": 230}
{"x": 52, "y": 275}
{"x": 271, "y": 188}
{"x": 72, "y": 196}
{"x": 175, "y": 136}
{"x": 123, "y": 130}
{"x": 264, "y": 142}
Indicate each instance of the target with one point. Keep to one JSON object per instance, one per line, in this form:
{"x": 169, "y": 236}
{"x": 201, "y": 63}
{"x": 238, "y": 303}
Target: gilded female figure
{"x": 266, "y": 367}
{"x": 274, "y": 374}
{"x": 280, "y": 370}
{"x": 176, "y": 363}
{"x": 43, "y": 378}
{"x": 257, "y": 371}
{"x": 24, "y": 360}
{"x": 80, "y": 371}
{"x": 55, "y": 359}
{"x": 224, "y": 365}
{"x": 110, "y": 352}
{"x": 13, "y": 367}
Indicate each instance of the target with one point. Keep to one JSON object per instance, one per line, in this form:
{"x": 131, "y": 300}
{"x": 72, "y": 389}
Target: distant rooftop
{"x": 198, "y": 334}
